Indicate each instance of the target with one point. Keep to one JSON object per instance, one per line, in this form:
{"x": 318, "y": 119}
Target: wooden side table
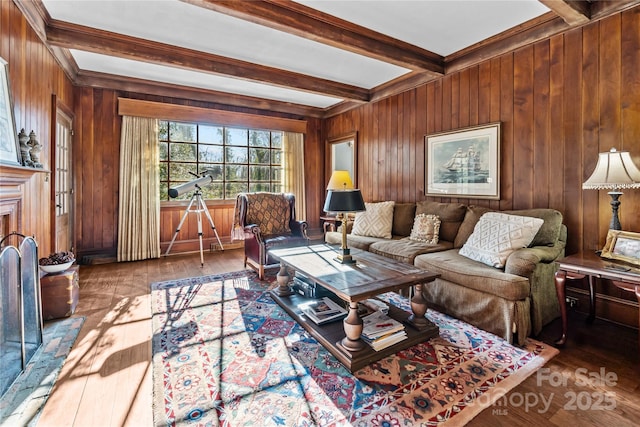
{"x": 60, "y": 293}
{"x": 590, "y": 266}
{"x": 329, "y": 223}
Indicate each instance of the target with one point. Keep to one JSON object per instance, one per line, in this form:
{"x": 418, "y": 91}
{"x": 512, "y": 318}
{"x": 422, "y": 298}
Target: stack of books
{"x": 323, "y": 310}
{"x": 381, "y": 331}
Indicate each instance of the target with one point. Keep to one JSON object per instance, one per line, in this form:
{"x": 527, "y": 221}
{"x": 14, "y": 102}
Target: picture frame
{"x": 464, "y": 163}
{"x": 622, "y": 246}
{"x": 9, "y": 145}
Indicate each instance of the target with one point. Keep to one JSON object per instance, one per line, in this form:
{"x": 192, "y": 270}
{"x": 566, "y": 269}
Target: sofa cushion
{"x": 405, "y": 250}
{"x": 471, "y": 218}
{"x": 450, "y": 214}
{"x": 376, "y": 221}
{"x": 456, "y": 268}
{"x": 550, "y": 231}
{"x": 497, "y": 235}
{"x": 403, "y": 214}
{"x": 426, "y": 229}
{"x": 356, "y": 242}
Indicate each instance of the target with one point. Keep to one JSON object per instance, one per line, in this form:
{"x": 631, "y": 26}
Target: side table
{"x": 590, "y": 266}
{"x": 329, "y": 223}
{"x": 60, "y": 293}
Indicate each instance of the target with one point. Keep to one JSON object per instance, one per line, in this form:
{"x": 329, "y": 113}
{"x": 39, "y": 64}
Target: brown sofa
{"x": 512, "y": 302}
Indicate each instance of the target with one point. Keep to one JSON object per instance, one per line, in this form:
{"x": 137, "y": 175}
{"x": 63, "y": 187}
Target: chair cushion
{"x": 497, "y": 235}
{"x": 376, "y": 221}
{"x": 270, "y": 212}
{"x": 426, "y": 228}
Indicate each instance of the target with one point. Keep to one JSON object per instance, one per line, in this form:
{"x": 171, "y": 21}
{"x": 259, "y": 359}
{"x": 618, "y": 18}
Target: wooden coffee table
{"x": 371, "y": 275}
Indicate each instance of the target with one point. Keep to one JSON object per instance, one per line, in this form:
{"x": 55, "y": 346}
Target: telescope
{"x": 206, "y": 178}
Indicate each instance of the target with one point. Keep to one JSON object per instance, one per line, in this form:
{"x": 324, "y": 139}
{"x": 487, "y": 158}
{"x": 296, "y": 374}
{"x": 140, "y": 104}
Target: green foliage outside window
{"x": 238, "y": 160}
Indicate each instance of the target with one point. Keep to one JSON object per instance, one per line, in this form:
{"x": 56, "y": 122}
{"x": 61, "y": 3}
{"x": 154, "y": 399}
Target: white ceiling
{"x": 442, "y": 27}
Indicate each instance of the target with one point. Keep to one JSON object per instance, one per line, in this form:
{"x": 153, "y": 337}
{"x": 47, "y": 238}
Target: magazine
{"x": 378, "y": 324}
{"x": 323, "y": 310}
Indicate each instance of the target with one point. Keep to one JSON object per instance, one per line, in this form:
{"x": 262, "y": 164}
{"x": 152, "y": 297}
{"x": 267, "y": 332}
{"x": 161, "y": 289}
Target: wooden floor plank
{"x": 106, "y": 380}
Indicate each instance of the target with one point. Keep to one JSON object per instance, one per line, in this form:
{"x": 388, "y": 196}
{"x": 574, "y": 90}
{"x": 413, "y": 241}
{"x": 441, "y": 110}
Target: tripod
{"x": 198, "y": 209}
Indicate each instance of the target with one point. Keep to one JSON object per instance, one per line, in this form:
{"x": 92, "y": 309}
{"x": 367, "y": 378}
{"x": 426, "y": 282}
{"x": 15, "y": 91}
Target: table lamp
{"x": 614, "y": 170}
{"x": 342, "y": 198}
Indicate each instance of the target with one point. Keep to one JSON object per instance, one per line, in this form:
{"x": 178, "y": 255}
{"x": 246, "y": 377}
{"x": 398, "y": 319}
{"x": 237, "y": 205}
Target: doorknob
{"x": 58, "y": 205}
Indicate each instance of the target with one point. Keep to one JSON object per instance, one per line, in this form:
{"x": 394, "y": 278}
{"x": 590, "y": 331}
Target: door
{"x": 63, "y": 181}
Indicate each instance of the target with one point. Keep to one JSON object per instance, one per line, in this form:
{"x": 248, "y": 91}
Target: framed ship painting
{"x": 9, "y": 147}
{"x": 464, "y": 163}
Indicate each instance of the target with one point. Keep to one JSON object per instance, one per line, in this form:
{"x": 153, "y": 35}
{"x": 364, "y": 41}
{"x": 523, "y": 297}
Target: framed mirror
{"x": 342, "y": 155}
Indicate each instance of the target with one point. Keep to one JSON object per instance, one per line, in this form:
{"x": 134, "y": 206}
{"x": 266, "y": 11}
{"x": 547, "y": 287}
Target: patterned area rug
{"x": 224, "y": 353}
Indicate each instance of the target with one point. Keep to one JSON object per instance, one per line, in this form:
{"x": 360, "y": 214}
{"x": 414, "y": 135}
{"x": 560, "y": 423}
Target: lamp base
{"x": 615, "y": 204}
{"x": 345, "y": 257}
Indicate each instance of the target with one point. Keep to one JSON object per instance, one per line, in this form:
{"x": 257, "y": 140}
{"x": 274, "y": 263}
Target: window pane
{"x": 163, "y": 130}
{"x": 233, "y": 188}
{"x": 261, "y": 186}
{"x": 259, "y": 173}
{"x": 258, "y": 138}
{"x": 182, "y": 132}
{"x": 212, "y": 191}
{"x": 237, "y": 136}
{"x": 164, "y": 151}
{"x": 164, "y": 191}
{"x": 164, "y": 171}
{"x": 210, "y": 134}
{"x": 236, "y": 173}
{"x": 236, "y": 155}
{"x": 180, "y": 172}
{"x": 210, "y": 153}
{"x": 276, "y": 157}
{"x": 259, "y": 155}
{"x": 215, "y": 171}
{"x": 183, "y": 152}
{"x": 276, "y": 174}
{"x": 276, "y": 187}
{"x": 276, "y": 139}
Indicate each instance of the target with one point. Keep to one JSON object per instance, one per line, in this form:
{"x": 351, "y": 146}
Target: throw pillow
{"x": 450, "y": 214}
{"x": 376, "y": 221}
{"x": 497, "y": 235}
{"x": 426, "y": 228}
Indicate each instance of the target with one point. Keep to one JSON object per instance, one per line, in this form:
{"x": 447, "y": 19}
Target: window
{"x": 237, "y": 159}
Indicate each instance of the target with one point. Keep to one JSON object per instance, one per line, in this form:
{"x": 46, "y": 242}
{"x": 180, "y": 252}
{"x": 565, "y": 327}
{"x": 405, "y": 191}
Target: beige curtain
{"x": 293, "y": 176}
{"x": 139, "y": 213}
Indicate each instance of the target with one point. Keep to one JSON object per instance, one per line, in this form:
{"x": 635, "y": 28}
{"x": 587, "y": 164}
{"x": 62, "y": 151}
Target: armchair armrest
{"x": 299, "y": 228}
{"x": 252, "y": 231}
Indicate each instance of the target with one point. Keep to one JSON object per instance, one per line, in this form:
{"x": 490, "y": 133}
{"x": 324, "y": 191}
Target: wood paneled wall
{"x": 97, "y": 148}
{"x": 34, "y": 78}
{"x": 560, "y": 101}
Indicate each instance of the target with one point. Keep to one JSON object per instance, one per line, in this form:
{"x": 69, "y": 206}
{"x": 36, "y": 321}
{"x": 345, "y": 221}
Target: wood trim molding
{"x": 573, "y": 12}
{"x": 133, "y": 107}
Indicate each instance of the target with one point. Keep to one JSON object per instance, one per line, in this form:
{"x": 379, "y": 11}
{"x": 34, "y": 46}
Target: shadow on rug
{"x": 224, "y": 353}
{"x": 22, "y": 403}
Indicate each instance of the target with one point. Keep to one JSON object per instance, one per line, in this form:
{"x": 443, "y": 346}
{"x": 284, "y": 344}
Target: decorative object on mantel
{"x": 615, "y": 170}
{"x": 25, "y": 148}
{"x": 36, "y": 148}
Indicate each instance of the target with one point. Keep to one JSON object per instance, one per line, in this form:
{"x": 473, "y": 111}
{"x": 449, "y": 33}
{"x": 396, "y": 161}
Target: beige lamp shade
{"x": 340, "y": 180}
{"x": 614, "y": 170}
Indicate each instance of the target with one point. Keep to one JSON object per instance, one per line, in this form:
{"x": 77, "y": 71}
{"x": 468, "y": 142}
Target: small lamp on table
{"x": 342, "y": 199}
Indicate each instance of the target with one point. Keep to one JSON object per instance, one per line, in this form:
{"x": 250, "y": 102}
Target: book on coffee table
{"x": 323, "y": 310}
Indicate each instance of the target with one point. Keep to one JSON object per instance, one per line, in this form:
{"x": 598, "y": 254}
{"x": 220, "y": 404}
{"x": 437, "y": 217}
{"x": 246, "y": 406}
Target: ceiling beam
{"x": 574, "y": 12}
{"x": 168, "y": 90}
{"x": 295, "y": 18}
{"x": 72, "y": 36}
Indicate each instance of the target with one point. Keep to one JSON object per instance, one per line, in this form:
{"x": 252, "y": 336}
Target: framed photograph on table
{"x": 9, "y": 146}
{"x": 464, "y": 163}
{"x": 622, "y": 246}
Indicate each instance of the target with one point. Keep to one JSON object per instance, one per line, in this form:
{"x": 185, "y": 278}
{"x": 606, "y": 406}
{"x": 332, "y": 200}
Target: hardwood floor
{"x": 106, "y": 380}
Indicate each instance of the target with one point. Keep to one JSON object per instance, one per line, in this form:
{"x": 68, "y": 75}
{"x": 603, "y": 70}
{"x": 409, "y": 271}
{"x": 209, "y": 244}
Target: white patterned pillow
{"x": 376, "y": 221}
{"x": 497, "y": 235}
{"x": 426, "y": 228}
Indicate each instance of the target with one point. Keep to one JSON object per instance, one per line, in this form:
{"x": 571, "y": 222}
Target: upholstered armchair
{"x": 268, "y": 221}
